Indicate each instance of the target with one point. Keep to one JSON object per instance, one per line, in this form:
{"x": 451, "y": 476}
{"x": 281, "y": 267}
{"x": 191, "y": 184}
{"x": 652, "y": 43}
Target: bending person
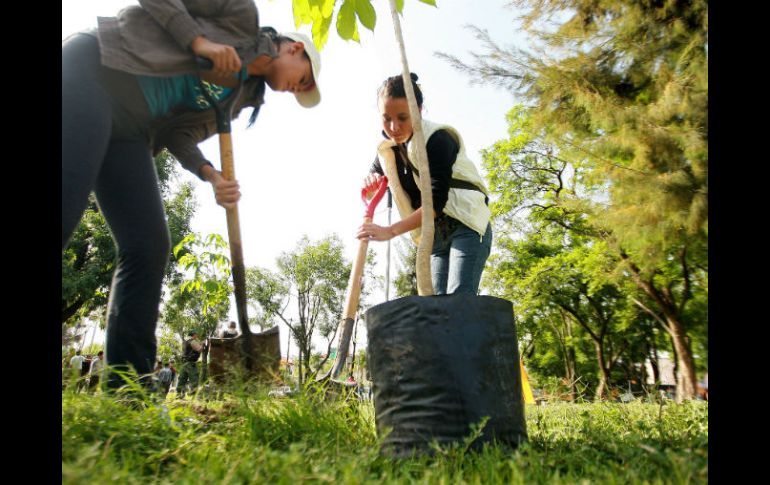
{"x": 130, "y": 89}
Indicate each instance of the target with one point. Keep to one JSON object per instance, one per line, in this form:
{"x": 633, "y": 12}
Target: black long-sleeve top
{"x": 442, "y": 152}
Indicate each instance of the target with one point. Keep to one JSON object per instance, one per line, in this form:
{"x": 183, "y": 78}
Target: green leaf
{"x": 429, "y": 2}
{"x": 301, "y": 10}
{"x": 399, "y": 6}
{"x": 211, "y": 286}
{"x": 315, "y": 9}
{"x": 321, "y": 32}
{"x": 187, "y": 260}
{"x": 327, "y": 8}
{"x": 366, "y": 13}
{"x": 346, "y": 20}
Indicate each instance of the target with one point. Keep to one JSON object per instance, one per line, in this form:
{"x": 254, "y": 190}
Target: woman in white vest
{"x": 463, "y": 235}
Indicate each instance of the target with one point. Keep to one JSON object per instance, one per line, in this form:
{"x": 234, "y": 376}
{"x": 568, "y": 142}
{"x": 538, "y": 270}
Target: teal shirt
{"x": 165, "y": 93}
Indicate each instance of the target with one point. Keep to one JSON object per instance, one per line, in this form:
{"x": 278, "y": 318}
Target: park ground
{"x": 251, "y": 437}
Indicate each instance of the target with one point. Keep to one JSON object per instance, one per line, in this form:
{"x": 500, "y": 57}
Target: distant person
{"x": 165, "y": 378}
{"x": 230, "y": 332}
{"x": 191, "y": 352}
{"x": 703, "y": 387}
{"x": 463, "y": 234}
{"x": 85, "y": 368}
{"x": 171, "y": 362}
{"x": 95, "y": 372}
{"x": 75, "y": 364}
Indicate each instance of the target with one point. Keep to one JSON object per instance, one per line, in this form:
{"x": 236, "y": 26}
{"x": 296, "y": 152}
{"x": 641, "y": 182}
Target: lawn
{"x": 253, "y": 438}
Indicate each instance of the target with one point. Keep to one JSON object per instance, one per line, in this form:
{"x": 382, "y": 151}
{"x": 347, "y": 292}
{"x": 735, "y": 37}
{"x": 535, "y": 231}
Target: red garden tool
{"x": 354, "y": 284}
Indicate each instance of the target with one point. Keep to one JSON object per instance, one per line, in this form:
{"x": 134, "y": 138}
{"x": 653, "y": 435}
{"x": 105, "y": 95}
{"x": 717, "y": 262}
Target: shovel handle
{"x": 372, "y": 204}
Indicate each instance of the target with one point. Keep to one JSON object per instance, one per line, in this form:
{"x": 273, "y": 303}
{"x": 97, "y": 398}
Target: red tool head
{"x": 372, "y": 204}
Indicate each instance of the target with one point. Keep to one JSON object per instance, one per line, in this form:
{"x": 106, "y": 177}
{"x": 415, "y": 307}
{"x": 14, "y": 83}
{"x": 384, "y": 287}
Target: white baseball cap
{"x": 311, "y": 97}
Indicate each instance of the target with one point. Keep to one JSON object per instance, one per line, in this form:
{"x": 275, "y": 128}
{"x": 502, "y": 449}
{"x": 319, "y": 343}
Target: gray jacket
{"x": 154, "y": 40}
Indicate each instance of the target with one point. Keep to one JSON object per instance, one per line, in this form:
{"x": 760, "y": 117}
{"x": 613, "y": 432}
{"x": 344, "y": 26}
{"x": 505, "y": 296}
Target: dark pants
{"x": 189, "y": 374}
{"x": 105, "y": 150}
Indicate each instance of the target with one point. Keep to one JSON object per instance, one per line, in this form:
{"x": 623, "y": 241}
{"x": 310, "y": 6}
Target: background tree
{"x": 88, "y": 261}
{"x": 202, "y": 300}
{"x": 405, "y": 281}
{"x": 554, "y": 200}
{"x": 623, "y": 86}
{"x": 370, "y": 281}
{"x": 314, "y": 275}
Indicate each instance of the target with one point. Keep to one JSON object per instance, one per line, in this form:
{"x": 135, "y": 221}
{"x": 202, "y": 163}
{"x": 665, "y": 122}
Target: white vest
{"x": 465, "y": 205}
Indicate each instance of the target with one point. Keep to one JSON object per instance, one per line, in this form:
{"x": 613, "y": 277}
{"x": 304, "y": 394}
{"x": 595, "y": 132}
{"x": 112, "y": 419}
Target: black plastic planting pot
{"x": 440, "y": 364}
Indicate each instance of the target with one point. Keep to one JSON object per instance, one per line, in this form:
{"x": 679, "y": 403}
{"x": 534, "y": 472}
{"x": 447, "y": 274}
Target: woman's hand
{"x": 225, "y": 58}
{"x": 371, "y": 184}
{"x": 373, "y": 232}
{"x": 226, "y": 192}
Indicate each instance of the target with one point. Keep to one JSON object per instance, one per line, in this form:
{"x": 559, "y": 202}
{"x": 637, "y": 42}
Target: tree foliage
{"x": 406, "y": 278}
{"x": 313, "y": 276}
{"x": 88, "y": 261}
{"x": 200, "y": 299}
{"x": 351, "y": 13}
{"x": 619, "y": 92}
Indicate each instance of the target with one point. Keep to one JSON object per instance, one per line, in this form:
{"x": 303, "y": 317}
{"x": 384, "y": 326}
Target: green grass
{"x": 258, "y": 439}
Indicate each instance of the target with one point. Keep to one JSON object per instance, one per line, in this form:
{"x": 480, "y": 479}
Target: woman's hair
{"x": 394, "y": 87}
{"x": 278, "y": 40}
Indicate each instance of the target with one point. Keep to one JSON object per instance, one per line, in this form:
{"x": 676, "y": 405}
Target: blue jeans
{"x": 458, "y": 257}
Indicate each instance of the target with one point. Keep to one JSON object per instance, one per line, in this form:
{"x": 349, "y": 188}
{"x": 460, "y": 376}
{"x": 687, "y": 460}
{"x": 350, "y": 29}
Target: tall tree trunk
{"x": 671, "y": 321}
{"x": 568, "y": 351}
{"x": 652, "y": 353}
{"x": 288, "y": 346}
{"x": 686, "y": 380}
{"x": 306, "y": 351}
{"x": 204, "y": 364}
{"x": 300, "y": 367}
{"x": 604, "y": 374}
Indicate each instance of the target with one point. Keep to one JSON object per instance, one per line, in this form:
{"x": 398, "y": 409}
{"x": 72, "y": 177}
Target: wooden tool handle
{"x": 234, "y": 236}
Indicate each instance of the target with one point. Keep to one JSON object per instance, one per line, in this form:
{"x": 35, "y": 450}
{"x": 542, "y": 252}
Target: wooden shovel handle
{"x": 354, "y": 284}
{"x": 234, "y": 235}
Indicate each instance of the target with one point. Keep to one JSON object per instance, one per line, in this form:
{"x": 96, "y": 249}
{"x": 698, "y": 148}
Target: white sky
{"x": 300, "y": 170}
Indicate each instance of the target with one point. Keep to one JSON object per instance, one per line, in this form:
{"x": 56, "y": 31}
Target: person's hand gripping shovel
{"x": 354, "y": 284}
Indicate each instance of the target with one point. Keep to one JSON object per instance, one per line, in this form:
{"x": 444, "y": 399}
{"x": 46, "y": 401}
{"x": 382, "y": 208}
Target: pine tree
{"x": 621, "y": 88}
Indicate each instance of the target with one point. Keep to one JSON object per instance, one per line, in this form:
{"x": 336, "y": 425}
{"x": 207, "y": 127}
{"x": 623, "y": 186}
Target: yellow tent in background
{"x": 525, "y": 389}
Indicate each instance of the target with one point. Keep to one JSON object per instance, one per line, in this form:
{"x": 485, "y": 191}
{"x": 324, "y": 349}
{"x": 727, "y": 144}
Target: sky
{"x": 300, "y": 170}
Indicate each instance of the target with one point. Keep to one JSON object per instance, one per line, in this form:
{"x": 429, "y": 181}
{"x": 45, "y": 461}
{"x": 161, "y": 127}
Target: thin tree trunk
{"x": 686, "y": 381}
{"x": 288, "y": 346}
{"x": 604, "y": 375}
{"x": 570, "y": 357}
{"x": 328, "y": 350}
{"x": 300, "y": 369}
{"x": 205, "y": 364}
{"x": 424, "y": 283}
